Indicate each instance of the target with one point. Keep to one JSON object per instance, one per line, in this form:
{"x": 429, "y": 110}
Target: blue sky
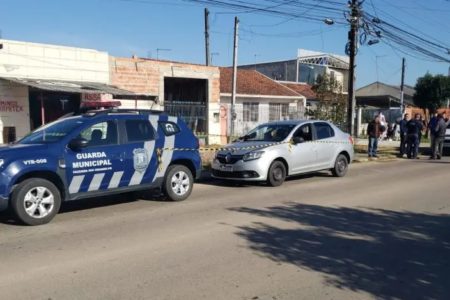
{"x": 126, "y": 27}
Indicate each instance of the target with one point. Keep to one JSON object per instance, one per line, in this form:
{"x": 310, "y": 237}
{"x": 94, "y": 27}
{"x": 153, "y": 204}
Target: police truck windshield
{"x": 52, "y": 132}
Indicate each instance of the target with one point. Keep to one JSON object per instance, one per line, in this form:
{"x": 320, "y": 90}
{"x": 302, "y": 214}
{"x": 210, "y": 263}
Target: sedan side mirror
{"x": 298, "y": 140}
{"x": 78, "y": 143}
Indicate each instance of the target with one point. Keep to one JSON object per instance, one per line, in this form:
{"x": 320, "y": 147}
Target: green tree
{"x": 432, "y": 92}
{"x": 332, "y": 103}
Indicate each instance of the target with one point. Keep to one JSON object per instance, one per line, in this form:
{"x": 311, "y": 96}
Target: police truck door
{"x": 98, "y": 166}
{"x": 140, "y": 149}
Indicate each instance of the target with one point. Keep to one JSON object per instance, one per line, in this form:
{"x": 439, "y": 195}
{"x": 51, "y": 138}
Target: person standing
{"x": 403, "y": 134}
{"x": 374, "y": 131}
{"x": 431, "y": 131}
{"x": 414, "y": 127}
{"x": 424, "y": 125}
{"x": 439, "y": 138}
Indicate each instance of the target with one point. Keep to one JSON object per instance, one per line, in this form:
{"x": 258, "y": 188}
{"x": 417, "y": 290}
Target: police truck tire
{"x": 276, "y": 174}
{"x": 35, "y": 201}
{"x": 340, "y": 166}
{"x": 178, "y": 183}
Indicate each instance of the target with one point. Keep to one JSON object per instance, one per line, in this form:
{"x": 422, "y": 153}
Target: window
{"x": 139, "y": 130}
{"x": 305, "y": 132}
{"x": 269, "y": 133}
{"x": 251, "y": 112}
{"x": 323, "y": 131}
{"x": 169, "y": 128}
{"x": 101, "y": 134}
{"x": 278, "y": 111}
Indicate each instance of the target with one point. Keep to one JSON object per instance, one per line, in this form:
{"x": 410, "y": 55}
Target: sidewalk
{"x": 387, "y": 151}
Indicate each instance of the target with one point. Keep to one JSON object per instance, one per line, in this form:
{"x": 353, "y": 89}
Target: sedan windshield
{"x": 269, "y": 133}
{"x": 52, "y": 132}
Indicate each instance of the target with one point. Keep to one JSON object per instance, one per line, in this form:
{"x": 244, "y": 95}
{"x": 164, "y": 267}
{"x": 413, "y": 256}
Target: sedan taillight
{"x": 351, "y": 140}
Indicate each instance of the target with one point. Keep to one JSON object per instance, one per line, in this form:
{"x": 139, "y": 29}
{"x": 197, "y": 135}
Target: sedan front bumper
{"x": 253, "y": 170}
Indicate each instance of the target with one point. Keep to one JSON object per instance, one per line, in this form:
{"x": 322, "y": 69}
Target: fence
{"x": 193, "y": 113}
{"x": 248, "y": 117}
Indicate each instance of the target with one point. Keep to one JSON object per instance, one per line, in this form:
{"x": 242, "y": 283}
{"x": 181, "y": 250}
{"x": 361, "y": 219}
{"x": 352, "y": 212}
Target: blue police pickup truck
{"x": 96, "y": 154}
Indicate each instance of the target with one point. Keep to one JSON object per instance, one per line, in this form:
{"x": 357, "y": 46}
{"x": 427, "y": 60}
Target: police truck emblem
{"x": 140, "y": 159}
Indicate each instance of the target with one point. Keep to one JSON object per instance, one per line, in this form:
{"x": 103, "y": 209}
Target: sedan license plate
{"x": 226, "y": 168}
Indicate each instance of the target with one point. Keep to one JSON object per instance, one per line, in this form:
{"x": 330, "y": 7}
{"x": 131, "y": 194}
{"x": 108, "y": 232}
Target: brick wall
{"x": 146, "y": 76}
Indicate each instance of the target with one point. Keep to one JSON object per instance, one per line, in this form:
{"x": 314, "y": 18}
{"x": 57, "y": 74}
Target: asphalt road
{"x": 382, "y": 232}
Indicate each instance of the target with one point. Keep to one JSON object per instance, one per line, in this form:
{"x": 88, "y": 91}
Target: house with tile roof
{"x": 259, "y": 99}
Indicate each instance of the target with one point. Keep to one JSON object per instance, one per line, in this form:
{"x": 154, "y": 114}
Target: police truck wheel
{"x": 35, "y": 201}
{"x": 276, "y": 174}
{"x": 340, "y": 166}
{"x": 178, "y": 183}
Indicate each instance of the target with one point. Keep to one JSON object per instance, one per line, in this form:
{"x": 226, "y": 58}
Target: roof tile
{"x": 251, "y": 82}
{"x": 303, "y": 89}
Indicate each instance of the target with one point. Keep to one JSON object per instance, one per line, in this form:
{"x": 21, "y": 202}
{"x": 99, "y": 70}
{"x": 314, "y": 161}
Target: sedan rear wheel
{"x": 277, "y": 174}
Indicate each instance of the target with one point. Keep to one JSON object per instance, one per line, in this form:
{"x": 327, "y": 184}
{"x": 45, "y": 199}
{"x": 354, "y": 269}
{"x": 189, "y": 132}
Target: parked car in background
{"x": 447, "y": 139}
{"x": 275, "y": 150}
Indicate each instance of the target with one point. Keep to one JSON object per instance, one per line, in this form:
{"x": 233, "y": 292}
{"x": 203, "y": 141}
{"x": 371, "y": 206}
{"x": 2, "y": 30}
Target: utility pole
{"x": 235, "y": 62}
{"x": 351, "y": 50}
{"x": 208, "y": 56}
{"x": 402, "y": 94}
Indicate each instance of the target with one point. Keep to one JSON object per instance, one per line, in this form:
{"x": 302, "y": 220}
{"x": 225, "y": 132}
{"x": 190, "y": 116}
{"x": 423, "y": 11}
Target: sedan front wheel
{"x": 276, "y": 174}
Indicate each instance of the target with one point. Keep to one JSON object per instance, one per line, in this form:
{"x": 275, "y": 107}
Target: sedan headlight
{"x": 252, "y": 155}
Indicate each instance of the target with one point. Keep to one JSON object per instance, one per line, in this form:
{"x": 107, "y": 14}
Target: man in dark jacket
{"x": 374, "y": 131}
{"x": 414, "y": 127}
{"x": 403, "y": 134}
{"x": 439, "y": 136}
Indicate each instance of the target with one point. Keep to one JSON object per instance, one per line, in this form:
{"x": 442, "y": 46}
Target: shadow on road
{"x": 7, "y": 217}
{"x": 389, "y": 254}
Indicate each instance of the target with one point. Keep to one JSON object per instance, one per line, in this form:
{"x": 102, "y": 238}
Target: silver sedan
{"x": 275, "y": 150}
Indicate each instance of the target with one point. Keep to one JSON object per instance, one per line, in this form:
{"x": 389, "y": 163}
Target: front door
{"x": 99, "y": 166}
{"x": 303, "y": 155}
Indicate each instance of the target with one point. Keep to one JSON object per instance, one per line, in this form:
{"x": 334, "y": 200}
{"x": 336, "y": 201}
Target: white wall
{"x": 241, "y": 127}
{"x": 43, "y": 61}
{"x": 214, "y": 123}
{"x": 14, "y": 108}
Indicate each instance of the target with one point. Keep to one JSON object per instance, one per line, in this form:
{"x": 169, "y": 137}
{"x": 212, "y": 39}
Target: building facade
{"x": 188, "y": 91}
{"x": 259, "y": 99}
{"x": 305, "y": 68}
{"x": 41, "y": 82}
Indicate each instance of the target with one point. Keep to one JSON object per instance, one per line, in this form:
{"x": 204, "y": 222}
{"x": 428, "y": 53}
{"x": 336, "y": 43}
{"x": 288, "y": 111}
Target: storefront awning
{"x": 73, "y": 87}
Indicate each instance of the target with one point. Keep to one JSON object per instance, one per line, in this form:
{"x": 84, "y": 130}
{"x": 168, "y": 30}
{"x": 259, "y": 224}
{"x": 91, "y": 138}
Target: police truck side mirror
{"x": 78, "y": 143}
